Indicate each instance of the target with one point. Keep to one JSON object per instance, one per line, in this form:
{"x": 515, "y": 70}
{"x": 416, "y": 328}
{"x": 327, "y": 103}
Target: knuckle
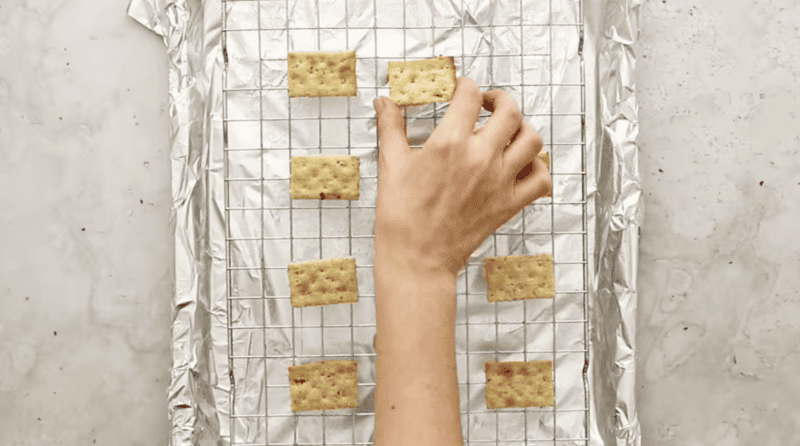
{"x": 444, "y": 135}
{"x": 470, "y": 87}
{"x": 439, "y": 141}
{"x": 548, "y": 180}
{"x": 548, "y": 183}
{"x": 497, "y": 93}
{"x": 440, "y": 144}
{"x": 475, "y": 93}
{"x": 536, "y": 141}
{"x": 512, "y": 112}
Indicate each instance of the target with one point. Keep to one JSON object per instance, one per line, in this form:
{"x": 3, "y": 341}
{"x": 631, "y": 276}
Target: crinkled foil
{"x": 591, "y": 68}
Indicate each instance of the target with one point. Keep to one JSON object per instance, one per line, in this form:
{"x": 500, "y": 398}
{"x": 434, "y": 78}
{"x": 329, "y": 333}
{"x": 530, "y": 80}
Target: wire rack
{"x": 253, "y": 165}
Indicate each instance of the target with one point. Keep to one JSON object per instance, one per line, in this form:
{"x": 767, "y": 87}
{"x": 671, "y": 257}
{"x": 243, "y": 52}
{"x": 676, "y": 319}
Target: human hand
{"x": 439, "y": 204}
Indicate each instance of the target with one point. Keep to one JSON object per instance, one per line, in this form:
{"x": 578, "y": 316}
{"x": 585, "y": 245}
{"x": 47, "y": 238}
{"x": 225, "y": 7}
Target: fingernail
{"x": 378, "y": 103}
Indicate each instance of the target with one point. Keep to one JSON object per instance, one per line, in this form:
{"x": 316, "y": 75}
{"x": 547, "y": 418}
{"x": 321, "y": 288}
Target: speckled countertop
{"x": 719, "y": 286}
{"x": 85, "y": 264}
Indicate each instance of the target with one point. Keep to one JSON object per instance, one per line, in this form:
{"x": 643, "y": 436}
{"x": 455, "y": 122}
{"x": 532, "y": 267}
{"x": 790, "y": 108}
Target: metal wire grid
{"x": 262, "y": 268}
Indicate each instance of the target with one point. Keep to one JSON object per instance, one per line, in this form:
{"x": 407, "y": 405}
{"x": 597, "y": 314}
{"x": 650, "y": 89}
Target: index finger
{"x": 460, "y": 118}
{"x": 505, "y": 121}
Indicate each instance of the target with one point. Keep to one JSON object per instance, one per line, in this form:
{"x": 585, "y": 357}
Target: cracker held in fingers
{"x": 421, "y": 82}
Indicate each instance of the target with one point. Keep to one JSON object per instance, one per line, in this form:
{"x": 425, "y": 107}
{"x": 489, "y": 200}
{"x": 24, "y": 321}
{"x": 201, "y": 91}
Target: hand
{"x": 438, "y": 204}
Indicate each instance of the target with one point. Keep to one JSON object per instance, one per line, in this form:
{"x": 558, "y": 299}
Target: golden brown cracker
{"x": 422, "y": 81}
{"x": 519, "y": 277}
{"x": 315, "y": 74}
{"x": 519, "y": 384}
{"x": 321, "y": 177}
{"x": 325, "y": 385}
{"x": 323, "y": 282}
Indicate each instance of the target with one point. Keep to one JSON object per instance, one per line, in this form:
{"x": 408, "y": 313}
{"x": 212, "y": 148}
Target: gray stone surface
{"x": 85, "y": 245}
{"x": 719, "y": 304}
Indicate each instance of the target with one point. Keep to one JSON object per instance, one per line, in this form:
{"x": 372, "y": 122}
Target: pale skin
{"x": 435, "y": 207}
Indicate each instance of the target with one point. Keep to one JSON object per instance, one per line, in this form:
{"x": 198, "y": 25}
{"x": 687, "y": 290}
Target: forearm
{"x": 416, "y": 399}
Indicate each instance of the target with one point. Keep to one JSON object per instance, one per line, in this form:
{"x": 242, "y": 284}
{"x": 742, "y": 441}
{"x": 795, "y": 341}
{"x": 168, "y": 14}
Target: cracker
{"x": 519, "y": 384}
{"x": 325, "y": 385}
{"x": 323, "y": 177}
{"x": 422, "y": 81}
{"x": 519, "y": 277}
{"x": 544, "y": 156}
{"x": 315, "y": 74}
{"x": 323, "y": 282}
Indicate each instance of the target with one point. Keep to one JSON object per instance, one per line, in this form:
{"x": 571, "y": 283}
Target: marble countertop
{"x": 718, "y": 324}
{"x": 85, "y": 270}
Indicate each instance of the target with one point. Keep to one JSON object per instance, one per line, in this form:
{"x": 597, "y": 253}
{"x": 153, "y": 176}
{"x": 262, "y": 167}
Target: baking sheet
{"x": 569, "y": 66}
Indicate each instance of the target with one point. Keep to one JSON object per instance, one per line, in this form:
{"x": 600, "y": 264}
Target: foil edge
{"x": 191, "y": 32}
{"x": 616, "y": 198}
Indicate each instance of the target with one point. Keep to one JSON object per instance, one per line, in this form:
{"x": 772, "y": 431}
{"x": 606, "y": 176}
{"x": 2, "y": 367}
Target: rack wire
{"x": 246, "y": 192}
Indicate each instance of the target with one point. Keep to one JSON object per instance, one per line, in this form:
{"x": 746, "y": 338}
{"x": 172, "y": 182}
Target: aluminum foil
{"x": 223, "y": 389}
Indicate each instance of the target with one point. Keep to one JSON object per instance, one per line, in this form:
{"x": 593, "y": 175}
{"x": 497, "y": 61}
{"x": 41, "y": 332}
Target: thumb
{"x": 392, "y": 139}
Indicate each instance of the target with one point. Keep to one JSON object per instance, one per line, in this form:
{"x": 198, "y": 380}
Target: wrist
{"x": 398, "y": 259}
{"x": 415, "y": 303}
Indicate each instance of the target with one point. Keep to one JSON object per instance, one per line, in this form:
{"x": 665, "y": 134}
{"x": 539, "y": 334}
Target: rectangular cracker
{"x": 323, "y": 282}
{"x": 519, "y": 384}
{"x": 546, "y": 158}
{"x": 519, "y": 277}
{"x": 422, "y": 81}
{"x": 325, "y": 385}
{"x": 321, "y": 177}
{"x": 315, "y": 74}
